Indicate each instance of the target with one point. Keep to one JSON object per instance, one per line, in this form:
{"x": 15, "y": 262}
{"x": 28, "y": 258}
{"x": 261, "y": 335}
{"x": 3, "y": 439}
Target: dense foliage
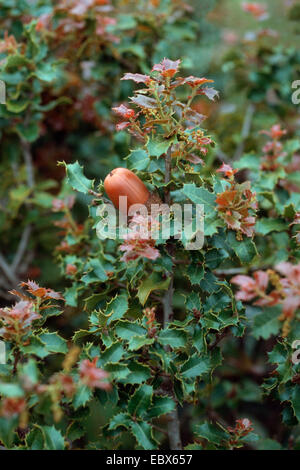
{"x": 123, "y": 344}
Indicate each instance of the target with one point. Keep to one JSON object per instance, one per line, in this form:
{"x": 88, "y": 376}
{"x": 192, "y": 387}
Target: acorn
{"x": 123, "y": 182}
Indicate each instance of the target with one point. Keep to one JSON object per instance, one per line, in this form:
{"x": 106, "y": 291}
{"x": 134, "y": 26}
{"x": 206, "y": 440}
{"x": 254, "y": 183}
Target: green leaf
{"x": 195, "y": 366}
{"x": 267, "y": 225}
{"x": 35, "y": 439}
{"x": 266, "y": 323}
{"x": 199, "y": 340}
{"x": 11, "y": 390}
{"x": 173, "y": 337}
{"x": 211, "y": 433}
{"x": 268, "y": 444}
{"x": 76, "y": 178}
{"x": 30, "y": 371}
{"x": 120, "y": 419}
{"x": 195, "y": 273}
{"x": 54, "y": 343}
{"x": 138, "y": 160}
{"x": 17, "y": 60}
{"x": 75, "y": 431}
{"x": 296, "y": 401}
{"x": 143, "y": 433}
{"x": 138, "y": 373}
{"x": 96, "y": 271}
{"x": 112, "y": 354}
{"x": 116, "y": 308}
{"x": 217, "y": 302}
{"x": 193, "y": 446}
{"x": 193, "y": 302}
{"x": 249, "y": 162}
{"x": 140, "y": 401}
{"x": 117, "y": 371}
{"x": 126, "y": 329}
{"x": 200, "y": 196}
{"x": 281, "y": 356}
{"x": 157, "y": 147}
{"x": 82, "y": 396}
{"x": 152, "y": 283}
{"x": 29, "y": 132}
{"x": 245, "y": 250}
{"x": 7, "y": 430}
{"x": 161, "y": 406}
{"x": 36, "y": 347}
{"x": 17, "y": 106}
{"x": 81, "y": 334}
{"x": 53, "y": 438}
{"x": 289, "y": 211}
{"x": 71, "y": 295}
{"x": 46, "y": 72}
{"x": 137, "y": 342}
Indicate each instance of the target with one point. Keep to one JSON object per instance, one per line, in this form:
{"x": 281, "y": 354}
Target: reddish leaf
{"x": 167, "y": 67}
{"x": 124, "y": 112}
{"x": 137, "y": 77}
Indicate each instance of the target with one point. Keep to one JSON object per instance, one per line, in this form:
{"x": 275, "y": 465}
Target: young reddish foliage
{"x": 92, "y": 376}
{"x": 236, "y": 205}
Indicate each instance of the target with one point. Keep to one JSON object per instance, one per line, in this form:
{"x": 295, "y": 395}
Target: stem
{"x": 245, "y": 131}
{"x": 168, "y": 163}
{"x": 173, "y": 426}
{"x": 7, "y": 270}
{"x": 16, "y": 361}
{"x": 10, "y": 271}
{"x": 173, "y": 419}
{"x": 28, "y": 163}
{"x": 71, "y": 220}
{"x": 167, "y": 304}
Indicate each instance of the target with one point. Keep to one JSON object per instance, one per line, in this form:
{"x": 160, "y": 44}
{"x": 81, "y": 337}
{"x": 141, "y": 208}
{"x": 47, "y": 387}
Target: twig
{"x": 245, "y": 131}
{"x": 159, "y": 429}
{"x": 6, "y": 295}
{"x": 222, "y": 156}
{"x": 174, "y": 430}
{"x": 4, "y": 283}
{"x": 28, "y": 162}
{"x": 168, "y": 163}
{"x": 173, "y": 419}
{"x": 219, "y": 338}
{"x": 8, "y": 271}
{"x": 22, "y": 247}
{"x": 230, "y": 272}
{"x": 11, "y": 270}
{"x": 173, "y": 426}
{"x": 167, "y": 304}
{"x": 16, "y": 361}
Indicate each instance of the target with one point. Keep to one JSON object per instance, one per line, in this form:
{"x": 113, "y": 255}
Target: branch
{"x": 28, "y": 163}
{"x": 167, "y": 302}
{"x": 8, "y": 271}
{"x": 219, "y": 338}
{"x": 173, "y": 419}
{"x": 168, "y": 163}
{"x": 22, "y": 247}
{"x": 245, "y": 131}
{"x": 6, "y": 295}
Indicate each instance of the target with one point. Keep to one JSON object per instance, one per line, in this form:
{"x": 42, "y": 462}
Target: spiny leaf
{"x": 76, "y": 178}
{"x": 140, "y": 402}
{"x": 143, "y": 433}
